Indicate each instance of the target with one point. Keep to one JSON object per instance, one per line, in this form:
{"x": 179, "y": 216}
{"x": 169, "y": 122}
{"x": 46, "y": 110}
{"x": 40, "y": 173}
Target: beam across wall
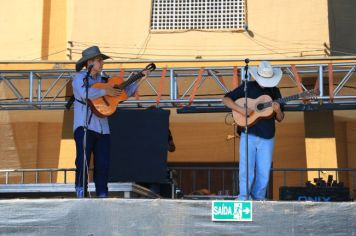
{"x": 188, "y": 86}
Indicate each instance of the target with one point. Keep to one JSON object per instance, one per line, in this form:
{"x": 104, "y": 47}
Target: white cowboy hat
{"x": 265, "y": 75}
{"x": 87, "y": 54}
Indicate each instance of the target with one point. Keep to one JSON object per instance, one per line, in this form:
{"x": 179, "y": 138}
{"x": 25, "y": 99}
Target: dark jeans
{"x": 99, "y": 145}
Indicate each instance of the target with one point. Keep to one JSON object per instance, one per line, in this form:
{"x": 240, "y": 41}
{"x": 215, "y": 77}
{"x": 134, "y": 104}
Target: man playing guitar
{"x": 260, "y": 134}
{"x": 98, "y": 133}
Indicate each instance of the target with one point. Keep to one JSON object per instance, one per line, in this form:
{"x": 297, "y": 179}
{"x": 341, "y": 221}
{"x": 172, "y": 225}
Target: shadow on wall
{"x": 342, "y": 31}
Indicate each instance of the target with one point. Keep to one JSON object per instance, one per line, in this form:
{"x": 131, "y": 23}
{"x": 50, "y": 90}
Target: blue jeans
{"x": 260, "y": 153}
{"x": 99, "y": 145}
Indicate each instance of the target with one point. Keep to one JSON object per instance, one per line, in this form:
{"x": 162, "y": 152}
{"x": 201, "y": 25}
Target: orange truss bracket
{"x": 297, "y": 78}
{"x": 196, "y": 86}
{"x": 331, "y": 82}
{"x": 161, "y": 86}
{"x": 235, "y": 78}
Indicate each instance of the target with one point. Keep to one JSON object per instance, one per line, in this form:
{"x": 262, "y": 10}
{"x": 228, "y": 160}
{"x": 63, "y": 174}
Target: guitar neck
{"x": 131, "y": 80}
{"x": 287, "y": 99}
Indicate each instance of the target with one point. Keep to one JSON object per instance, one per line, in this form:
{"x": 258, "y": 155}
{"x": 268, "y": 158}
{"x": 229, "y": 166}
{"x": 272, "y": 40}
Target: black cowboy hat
{"x": 87, "y": 54}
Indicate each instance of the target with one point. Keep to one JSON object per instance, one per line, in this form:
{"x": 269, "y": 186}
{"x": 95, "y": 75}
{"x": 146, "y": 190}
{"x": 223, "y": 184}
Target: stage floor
{"x": 119, "y": 216}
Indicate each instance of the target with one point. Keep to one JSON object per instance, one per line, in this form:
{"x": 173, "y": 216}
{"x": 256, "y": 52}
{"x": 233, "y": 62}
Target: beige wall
{"x": 351, "y": 150}
{"x": 289, "y": 153}
{"x": 202, "y": 142}
{"x": 277, "y": 30}
{"x": 27, "y": 145}
{"x": 54, "y": 30}
{"x": 33, "y": 30}
{"x": 123, "y": 31}
{"x": 21, "y": 29}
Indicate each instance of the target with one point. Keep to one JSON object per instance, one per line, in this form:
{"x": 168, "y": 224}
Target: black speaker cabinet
{"x": 139, "y": 142}
{"x": 314, "y": 194}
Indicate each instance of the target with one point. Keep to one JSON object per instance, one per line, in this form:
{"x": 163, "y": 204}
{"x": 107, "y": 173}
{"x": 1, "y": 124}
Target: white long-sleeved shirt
{"x": 97, "y": 124}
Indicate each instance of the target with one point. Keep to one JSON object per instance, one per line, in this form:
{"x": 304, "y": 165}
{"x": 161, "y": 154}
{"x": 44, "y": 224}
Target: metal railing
{"x": 233, "y": 182}
{"x": 7, "y": 174}
{"x": 226, "y": 175}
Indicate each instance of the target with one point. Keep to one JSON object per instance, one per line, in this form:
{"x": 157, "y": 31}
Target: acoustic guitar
{"x": 262, "y": 107}
{"x": 106, "y": 105}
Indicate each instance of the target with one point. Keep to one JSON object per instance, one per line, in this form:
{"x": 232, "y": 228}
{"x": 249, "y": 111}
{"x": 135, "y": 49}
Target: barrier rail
{"x": 179, "y": 178}
{"x": 231, "y": 183}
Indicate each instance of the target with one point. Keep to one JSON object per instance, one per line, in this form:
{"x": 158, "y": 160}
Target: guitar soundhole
{"x": 260, "y": 107}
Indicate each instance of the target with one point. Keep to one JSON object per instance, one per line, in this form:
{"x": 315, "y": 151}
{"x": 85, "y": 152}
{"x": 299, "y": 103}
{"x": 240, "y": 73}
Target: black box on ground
{"x": 316, "y": 194}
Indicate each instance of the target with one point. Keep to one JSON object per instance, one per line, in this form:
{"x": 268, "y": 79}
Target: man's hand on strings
{"x": 278, "y": 111}
{"x": 276, "y": 107}
{"x": 110, "y": 91}
{"x": 242, "y": 111}
{"x": 249, "y": 112}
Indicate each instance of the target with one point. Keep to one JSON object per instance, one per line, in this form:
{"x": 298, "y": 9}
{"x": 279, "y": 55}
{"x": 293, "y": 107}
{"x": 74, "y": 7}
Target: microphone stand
{"x": 246, "y": 125}
{"x": 85, "y": 166}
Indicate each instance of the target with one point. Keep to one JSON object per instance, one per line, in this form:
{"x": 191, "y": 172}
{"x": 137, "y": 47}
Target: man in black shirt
{"x": 261, "y": 134}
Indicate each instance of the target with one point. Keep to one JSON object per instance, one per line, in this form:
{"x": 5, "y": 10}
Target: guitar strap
{"x": 71, "y": 100}
{"x": 91, "y": 112}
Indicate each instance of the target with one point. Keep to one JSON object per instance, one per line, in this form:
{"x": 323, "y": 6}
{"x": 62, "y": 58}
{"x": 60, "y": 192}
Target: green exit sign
{"x": 231, "y": 211}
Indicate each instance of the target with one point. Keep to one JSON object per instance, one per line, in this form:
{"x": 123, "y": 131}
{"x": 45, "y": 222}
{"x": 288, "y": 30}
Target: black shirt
{"x": 264, "y": 128}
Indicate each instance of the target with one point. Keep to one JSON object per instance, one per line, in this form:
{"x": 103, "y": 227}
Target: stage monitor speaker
{"x": 139, "y": 145}
{"x": 316, "y": 194}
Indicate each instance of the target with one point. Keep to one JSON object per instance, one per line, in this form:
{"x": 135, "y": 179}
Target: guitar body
{"x": 262, "y": 106}
{"x": 259, "y": 111}
{"x": 106, "y": 105}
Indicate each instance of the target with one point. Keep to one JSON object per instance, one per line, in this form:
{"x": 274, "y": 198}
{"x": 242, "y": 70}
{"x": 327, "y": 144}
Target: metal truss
{"x": 194, "y": 89}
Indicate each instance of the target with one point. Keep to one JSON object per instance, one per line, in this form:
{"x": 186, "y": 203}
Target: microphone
{"x": 246, "y": 68}
{"x": 85, "y": 80}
